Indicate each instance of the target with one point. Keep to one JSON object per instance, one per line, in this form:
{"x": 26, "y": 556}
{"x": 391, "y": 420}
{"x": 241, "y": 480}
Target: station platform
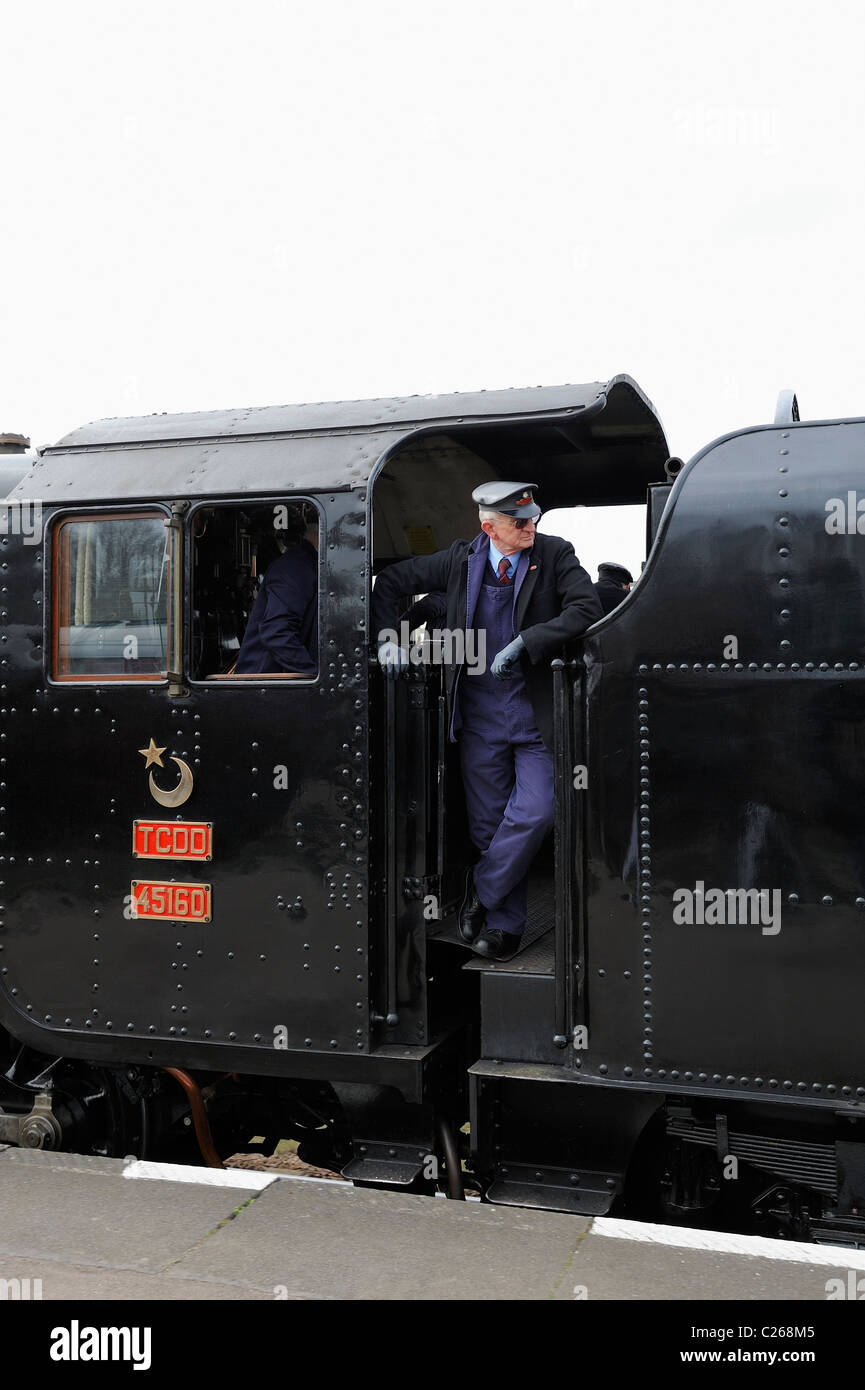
{"x": 113, "y": 1229}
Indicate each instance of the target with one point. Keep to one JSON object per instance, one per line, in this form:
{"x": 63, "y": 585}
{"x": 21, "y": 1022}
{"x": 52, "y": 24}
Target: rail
{"x": 391, "y": 886}
{"x": 569, "y": 758}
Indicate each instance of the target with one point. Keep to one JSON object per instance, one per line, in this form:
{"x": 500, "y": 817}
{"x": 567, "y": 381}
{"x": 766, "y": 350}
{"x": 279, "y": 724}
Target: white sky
{"x": 211, "y": 204}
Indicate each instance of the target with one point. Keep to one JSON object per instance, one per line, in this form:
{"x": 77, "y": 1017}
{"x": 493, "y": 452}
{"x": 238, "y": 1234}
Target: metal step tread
{"x": 535, "y": 956}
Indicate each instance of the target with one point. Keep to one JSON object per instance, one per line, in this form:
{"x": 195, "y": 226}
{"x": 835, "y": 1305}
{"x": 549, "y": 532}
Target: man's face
{"x": 508, "y": 536}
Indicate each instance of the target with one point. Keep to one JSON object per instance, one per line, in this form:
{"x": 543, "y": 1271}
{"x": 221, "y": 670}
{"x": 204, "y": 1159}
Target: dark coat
{"x": 282, "y": 632}
{"x": 555, "y": 603}
{"x": 610, "y": 594}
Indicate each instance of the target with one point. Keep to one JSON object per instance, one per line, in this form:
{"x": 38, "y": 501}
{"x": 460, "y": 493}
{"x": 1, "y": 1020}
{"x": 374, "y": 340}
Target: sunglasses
{"x": 521, "y": 522}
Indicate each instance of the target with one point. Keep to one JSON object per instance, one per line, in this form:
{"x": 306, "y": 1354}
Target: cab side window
{"x": 255, "y": 591}
{"x": 110, "y": 586}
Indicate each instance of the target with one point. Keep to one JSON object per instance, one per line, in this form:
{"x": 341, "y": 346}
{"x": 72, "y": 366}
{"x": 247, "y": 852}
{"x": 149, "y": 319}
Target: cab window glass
{"x": 255, "y": 591}
{"x": 111, "y": 585}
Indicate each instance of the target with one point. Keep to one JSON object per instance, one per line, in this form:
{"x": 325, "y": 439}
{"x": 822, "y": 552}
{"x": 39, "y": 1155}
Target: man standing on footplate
{"x": 524, "y": 595}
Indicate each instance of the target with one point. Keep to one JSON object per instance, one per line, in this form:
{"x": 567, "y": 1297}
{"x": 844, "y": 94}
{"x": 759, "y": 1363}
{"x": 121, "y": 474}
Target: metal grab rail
{"x": 562, "y": 842}
{"x": 405, "y": 816}
{"x": 569, "y": 837}
{"x": 391, "y": 1016}
{"x": 175, "y": 662}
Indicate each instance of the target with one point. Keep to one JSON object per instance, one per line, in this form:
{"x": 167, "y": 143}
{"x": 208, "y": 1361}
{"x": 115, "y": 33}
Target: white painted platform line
{"x": 210, "y": 1177}
{"x": 723, "y": 1243}
{"x": 305, "y": 1177}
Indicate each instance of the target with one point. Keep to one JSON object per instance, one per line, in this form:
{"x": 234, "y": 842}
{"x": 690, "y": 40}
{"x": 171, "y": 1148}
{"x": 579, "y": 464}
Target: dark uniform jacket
{"x": 282, "y": 632}
{"x": 610, "y": 594}
{"x": 555, "y": 603}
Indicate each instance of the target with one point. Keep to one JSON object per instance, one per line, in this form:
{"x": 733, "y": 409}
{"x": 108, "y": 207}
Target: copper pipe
{"x": 199, "y": 1117}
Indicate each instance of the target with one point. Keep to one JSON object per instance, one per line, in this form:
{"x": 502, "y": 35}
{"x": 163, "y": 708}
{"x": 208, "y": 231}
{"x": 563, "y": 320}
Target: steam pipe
{"x": 199, "y": 1117}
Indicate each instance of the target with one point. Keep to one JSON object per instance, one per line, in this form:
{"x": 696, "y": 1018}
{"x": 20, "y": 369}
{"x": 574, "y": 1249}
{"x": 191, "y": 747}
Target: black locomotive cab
{"x": 605, "y": 451}
{"x": 245, "y": 869}
{"x": 230, "y": 891}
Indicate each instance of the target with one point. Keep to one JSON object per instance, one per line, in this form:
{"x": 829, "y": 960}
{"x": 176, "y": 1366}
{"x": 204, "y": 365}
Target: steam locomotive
{"x": 229, "y": 901}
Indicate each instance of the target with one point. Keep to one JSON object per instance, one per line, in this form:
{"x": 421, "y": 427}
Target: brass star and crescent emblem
{"x": 176, "y": 795}
{"x": 152, "y": 754}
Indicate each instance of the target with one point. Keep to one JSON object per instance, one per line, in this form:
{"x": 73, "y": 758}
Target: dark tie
{"x": 504, "y": 571}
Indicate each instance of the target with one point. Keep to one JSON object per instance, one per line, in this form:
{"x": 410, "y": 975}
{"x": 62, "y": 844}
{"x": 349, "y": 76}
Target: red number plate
{"x": 172, "y": 839}
{"x": 170, "y": 902}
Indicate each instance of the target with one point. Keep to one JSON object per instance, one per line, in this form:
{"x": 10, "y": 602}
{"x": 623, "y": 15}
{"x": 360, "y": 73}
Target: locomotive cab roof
{"x": 604, "y": 440}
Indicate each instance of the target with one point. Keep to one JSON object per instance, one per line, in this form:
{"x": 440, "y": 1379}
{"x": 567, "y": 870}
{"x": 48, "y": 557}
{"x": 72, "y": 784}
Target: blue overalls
{"x": 507, "y": 769}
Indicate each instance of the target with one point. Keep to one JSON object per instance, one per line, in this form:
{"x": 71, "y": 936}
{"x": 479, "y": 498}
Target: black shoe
{"x": 493, "y": 944}
{"x": 473, "y": 914}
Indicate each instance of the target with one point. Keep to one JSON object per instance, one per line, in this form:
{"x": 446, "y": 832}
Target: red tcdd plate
{"x": 172, "y": 839}
{"x": 170, "y": 902}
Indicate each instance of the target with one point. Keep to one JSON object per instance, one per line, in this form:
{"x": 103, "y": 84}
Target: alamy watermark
{"x": 732, "y": 126}
{"x": 711, "y": 907}
{"x": 851, "y": 1287}
{"x": 22, "y": 519}
{"x": 448, "y": 647}
{"x": 20, "y": 1290}
{"x": 77, "y": 1343}
{"x": 846, "y": 515}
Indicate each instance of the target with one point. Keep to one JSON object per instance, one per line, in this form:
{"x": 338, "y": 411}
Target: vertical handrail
{"x": 562, "y": 843}
{"x": 441, "y": 792}
{"x": 391, "y": 887}
{"x": 175, "y": 662}
{"x": 577, "y": 977}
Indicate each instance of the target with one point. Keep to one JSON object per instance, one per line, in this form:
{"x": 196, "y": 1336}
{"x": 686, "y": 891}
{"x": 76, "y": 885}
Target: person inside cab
{"x": 614, "y": 582}
{"x": 282, "y": 633}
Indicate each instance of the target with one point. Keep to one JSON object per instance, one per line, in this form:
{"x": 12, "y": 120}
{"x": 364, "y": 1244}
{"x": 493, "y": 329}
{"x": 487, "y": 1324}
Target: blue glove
{"x": 392, "y": 659}
{"x": 503, "y": 665}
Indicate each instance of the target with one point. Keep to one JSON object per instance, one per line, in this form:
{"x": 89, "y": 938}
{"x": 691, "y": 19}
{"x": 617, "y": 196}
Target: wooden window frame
{"x": 60, "y": 593}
